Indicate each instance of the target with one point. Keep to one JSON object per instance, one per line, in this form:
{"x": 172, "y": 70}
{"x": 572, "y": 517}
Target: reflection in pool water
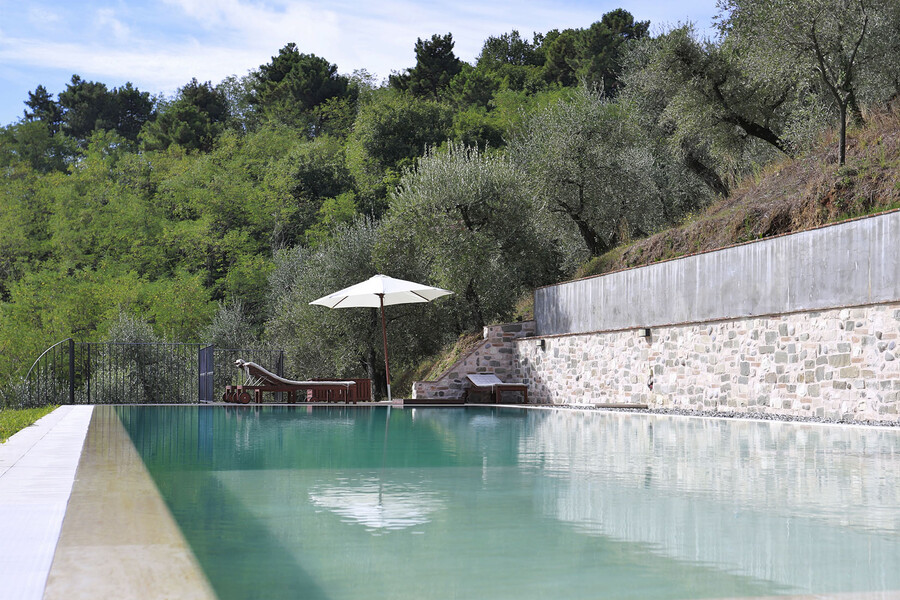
{"x": 376, "y": 505}
{"x": 491, "y": 503}
{"x": 809, "y": 507}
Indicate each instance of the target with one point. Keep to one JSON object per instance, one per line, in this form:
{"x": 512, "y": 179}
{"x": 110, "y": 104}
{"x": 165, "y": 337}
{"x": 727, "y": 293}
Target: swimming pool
{"x": 287, "y": 502}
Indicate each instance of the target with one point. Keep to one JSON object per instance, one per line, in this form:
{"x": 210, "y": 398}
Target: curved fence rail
{"x": 71, "y": 372}
{"x": 50, "y": 379}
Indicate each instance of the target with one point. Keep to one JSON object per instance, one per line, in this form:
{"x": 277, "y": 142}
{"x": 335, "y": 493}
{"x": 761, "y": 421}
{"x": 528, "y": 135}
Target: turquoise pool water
{"x": 333, "y": 503}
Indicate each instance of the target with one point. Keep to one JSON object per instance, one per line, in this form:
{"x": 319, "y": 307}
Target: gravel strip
{"x": 734, "y": 415}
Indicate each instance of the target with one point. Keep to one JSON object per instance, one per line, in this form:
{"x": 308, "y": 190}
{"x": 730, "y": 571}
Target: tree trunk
{"x": 474, "y": 303}
{"x": 843, "y": 141}
{"x": 855, "y": 111}
{"x": 761, "y": 132}
{"x": 751, "y": 128}
{"x": 591, "y": 238}
{"x": 706, "y": 174}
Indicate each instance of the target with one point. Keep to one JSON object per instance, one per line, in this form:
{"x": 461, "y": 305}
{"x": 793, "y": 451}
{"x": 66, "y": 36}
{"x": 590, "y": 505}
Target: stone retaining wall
{"x": 495, "y": 354}
{"x": 834, "y": 364}
{"x": 800, "y": 325}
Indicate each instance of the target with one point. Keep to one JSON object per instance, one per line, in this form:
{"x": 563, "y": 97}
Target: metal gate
{"x": 206, "y": 366}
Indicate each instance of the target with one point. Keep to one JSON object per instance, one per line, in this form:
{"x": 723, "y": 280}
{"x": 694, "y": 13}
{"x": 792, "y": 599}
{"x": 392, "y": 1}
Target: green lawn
{"x": 14, "y": 419}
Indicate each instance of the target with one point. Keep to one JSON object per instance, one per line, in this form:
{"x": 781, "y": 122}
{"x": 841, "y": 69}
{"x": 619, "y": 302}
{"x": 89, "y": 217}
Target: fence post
{"x": 87, "y": 375}
{"x": 71, "y": 371}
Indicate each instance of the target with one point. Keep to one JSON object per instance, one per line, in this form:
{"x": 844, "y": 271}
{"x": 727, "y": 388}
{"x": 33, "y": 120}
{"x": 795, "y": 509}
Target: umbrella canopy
{"x": 381, "y": 290}
{"x": 377, "y": 292}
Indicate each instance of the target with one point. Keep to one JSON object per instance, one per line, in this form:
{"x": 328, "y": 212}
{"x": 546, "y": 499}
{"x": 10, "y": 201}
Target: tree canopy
{"x": 436, "y": 66}
{"x": 837, "y": 42}
{"x": 193, "y": 121}
{"x": 293, "y": 84}
{"x": 88, "y": 106}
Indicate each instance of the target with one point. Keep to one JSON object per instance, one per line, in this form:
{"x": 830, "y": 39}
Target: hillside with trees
{"x": 216, "y": 215}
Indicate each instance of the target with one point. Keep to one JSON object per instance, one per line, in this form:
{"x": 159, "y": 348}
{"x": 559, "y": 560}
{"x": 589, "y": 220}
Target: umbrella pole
{"x": 387, "y": 368}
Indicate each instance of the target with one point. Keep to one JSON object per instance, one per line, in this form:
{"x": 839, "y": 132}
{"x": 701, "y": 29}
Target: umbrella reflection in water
{"x": 377, "y": 505}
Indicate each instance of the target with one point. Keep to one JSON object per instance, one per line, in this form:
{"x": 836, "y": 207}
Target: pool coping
{"x": 37, "y": 471}
{"x": 726, "y": 416}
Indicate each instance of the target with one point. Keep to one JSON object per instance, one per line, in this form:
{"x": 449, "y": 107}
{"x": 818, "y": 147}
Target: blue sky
{"x": 159, "y": 45}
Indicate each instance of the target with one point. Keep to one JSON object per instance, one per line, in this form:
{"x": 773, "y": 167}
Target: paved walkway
{"x": 37, "y": 470}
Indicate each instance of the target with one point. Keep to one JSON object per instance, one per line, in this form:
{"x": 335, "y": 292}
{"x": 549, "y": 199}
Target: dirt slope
{"x": 789, "y": 196}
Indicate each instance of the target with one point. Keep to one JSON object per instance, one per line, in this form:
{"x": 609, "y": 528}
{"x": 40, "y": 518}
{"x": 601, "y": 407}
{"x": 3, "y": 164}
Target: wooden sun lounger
{"x": 258, "y": 380}
{"x": 491, "y": 383}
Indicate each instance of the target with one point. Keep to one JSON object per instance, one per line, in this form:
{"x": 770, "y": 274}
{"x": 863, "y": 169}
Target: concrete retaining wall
{"x": 850, "y": 264}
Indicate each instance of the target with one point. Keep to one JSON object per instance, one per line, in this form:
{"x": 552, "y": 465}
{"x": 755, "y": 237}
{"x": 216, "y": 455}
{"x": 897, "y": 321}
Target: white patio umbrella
{"x": 377, "y": 292}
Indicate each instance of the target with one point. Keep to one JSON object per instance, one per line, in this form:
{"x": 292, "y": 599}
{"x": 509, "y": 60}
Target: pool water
{"x": 333, "y": 503}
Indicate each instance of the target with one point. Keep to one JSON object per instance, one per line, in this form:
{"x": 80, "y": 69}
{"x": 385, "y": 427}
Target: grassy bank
{"x": 15, "y": 419}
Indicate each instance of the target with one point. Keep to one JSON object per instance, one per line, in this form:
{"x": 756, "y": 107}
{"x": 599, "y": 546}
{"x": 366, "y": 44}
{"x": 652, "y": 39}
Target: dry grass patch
{"x": 787, "y": 196}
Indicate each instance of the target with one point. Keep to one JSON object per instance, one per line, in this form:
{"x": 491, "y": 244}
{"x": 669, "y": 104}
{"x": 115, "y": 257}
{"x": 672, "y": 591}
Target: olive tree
{"x": 231, "y": 327}
{"x": 880, "y": 65}
{"x": 322, "y": 342}
{"x": 836, "y": 41}
{"x": 467, "y": 215}
{"x": 592, "y": 168}
{"x": 716, "y": 110}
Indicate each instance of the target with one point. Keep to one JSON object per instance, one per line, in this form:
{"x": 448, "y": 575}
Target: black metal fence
{"x": 71, "y": 372}
{"x": 125, "y": 373}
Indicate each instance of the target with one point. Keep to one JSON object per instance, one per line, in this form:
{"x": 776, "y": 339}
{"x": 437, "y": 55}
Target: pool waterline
{"x": 548, "y": 501}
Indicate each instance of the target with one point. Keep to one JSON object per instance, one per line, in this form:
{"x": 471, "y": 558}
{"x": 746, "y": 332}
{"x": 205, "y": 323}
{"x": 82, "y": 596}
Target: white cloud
{"x": 378, "y": 36}
{"x": 164, "y": 70}
{"x": 40, "y": 16}
{"x": 257, "y": 24}
{"x": 106, "y": 21}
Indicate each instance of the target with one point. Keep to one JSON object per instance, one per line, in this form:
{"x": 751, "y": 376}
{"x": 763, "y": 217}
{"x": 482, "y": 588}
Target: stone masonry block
{"x": 849, "y": 372}
{"x": 839, "y": 360}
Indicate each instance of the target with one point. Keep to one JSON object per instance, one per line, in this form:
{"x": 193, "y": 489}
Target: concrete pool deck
{"x": 37, "y": 470}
